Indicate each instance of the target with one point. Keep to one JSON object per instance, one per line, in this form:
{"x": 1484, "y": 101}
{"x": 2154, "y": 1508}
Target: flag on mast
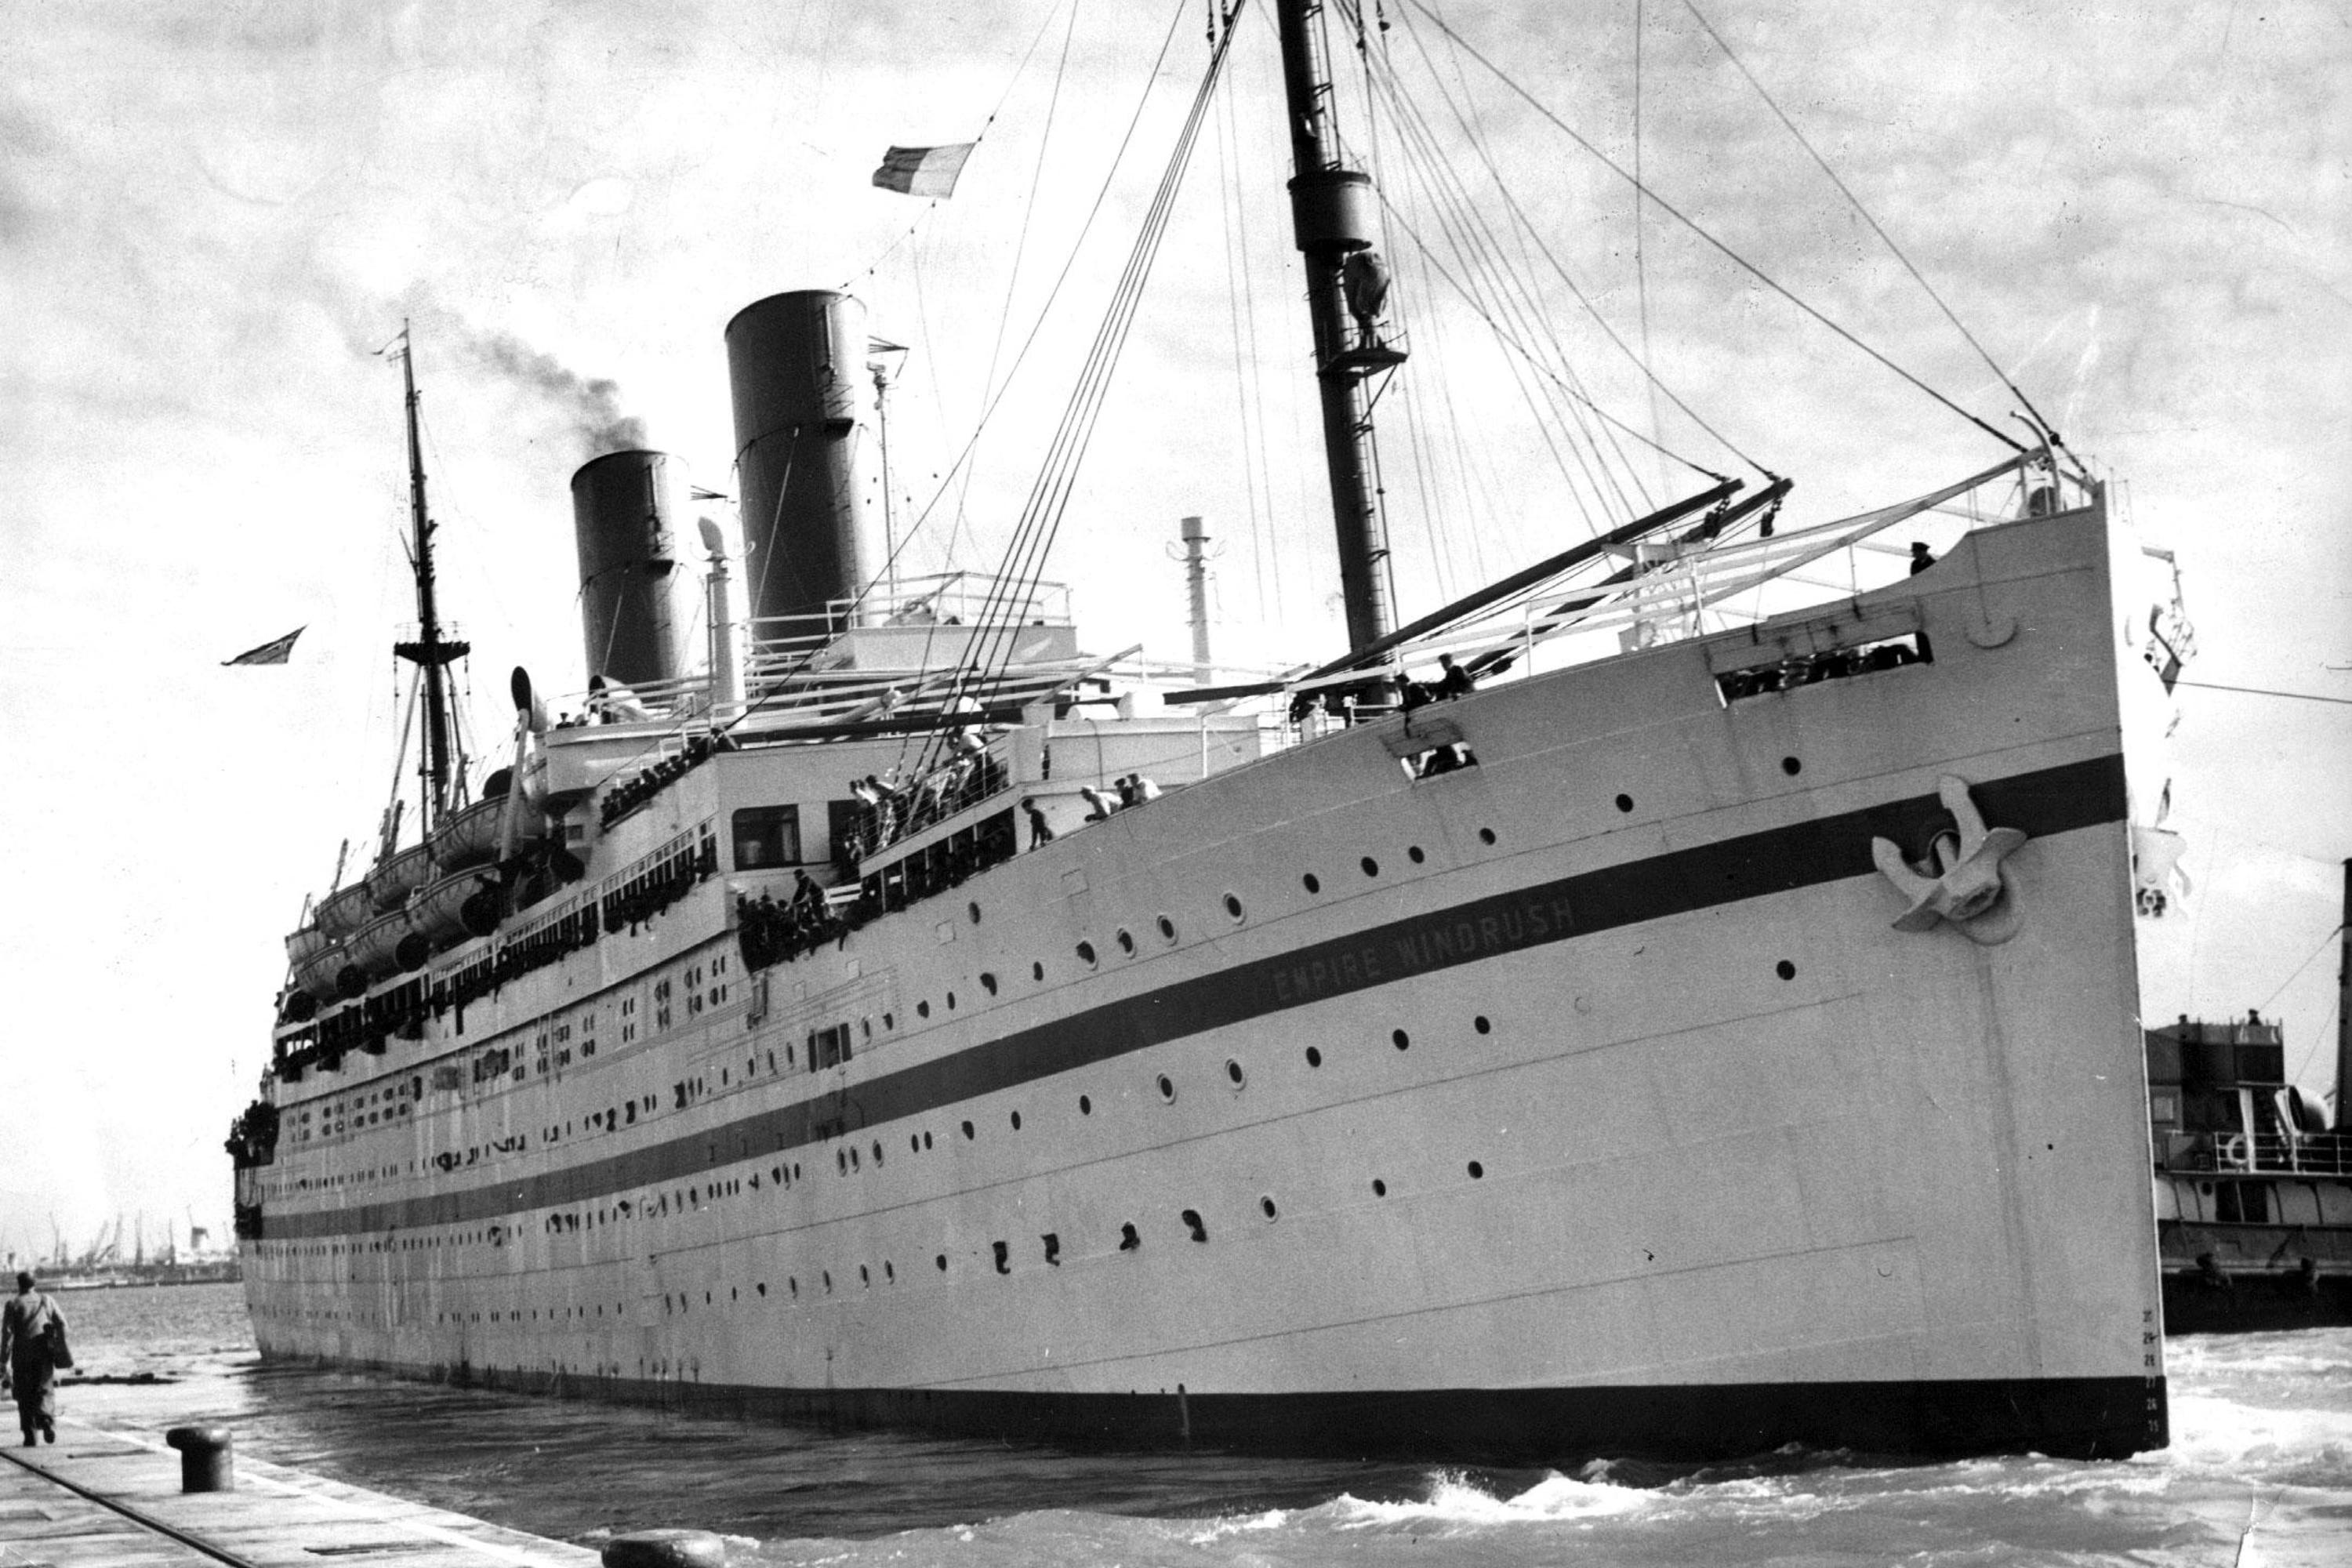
{"x": 923, "y": 170}
{"x": 272, "y": 652}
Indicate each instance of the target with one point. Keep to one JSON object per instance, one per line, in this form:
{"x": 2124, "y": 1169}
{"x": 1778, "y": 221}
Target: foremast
{"x": 431, "y": 653}
{"x": 1331, "y": 209}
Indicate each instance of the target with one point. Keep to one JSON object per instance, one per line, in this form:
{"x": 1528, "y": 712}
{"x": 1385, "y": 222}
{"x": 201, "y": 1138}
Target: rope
{"x": 1888, "y": 239}
{"x": 1049, "y": 497}
{"x": 1687, "y": 222}
{"x": 972, "y": 441}
{"x": 1002, "y": 99}
{"x": 1639, "y": 361}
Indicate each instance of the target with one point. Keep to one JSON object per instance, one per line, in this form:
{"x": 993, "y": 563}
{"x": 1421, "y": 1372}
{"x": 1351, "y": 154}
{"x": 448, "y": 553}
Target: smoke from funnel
{"x": 591, "y": 404}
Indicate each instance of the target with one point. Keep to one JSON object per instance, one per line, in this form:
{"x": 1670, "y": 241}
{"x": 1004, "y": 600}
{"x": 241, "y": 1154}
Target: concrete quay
{"x": 111, "y": 1498}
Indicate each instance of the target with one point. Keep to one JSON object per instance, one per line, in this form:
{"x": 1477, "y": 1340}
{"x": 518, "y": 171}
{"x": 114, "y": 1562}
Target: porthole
{"x": 1232, "y": 906}
{"x": 1372, "y": 867}
{"x": 1486, "y": 836}
{"x": 1166, "y": 929}
{"x": 1477, "y": 1170}
{"x": 1481, "y": 1025}
{"x": 1168, "y": 1089}
{"x": 1087, "y": 953}
{"x": 1791, "y": 766}
{"x": 968, "y": 1132}
{"x": 1234, "y": 1074}
{"x": 1085, "y": 1105}
{"x": 1017, "y": 1121}
{"x": 973, "y": 910}
{"x": 1125, "y": 942}
{"x": 1380, "y": 1188}
{"x": 1314, "y": 883}
{"x": 889, "y": 1021}
{"x": 1314, "y": 1057}
{"x": 950, "y": 1001}
{"x": 1785, "y": 970}
{"x": 1036, "y": 971}
{"x": 988, "y": 983}
{"x": 941, "y": 1262}
{"x": 1624, "y": 802}
{"x": 922, "y": 1009}
{"x": 926, "y": 1140}
{"x": 914, "y": 1144}
{"x": 1412, "y": 853}
{"x": 1265, "y": 1206}
{"x": 1401, "y": 1040}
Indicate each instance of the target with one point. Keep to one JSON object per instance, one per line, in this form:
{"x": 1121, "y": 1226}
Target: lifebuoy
{"x": 2233, "y": 1151}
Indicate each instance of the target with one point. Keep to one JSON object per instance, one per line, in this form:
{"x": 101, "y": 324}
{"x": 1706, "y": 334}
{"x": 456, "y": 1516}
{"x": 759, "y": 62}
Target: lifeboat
{"x": 374, "y": 948}
{"x": 315, "y": 972}
{"x": 461, "y": 904}
{"x": 308, "y": 942}
{"x": 344, "y": 911}
{"x": 470, "y": 837}
{"x": 393, "y": 879}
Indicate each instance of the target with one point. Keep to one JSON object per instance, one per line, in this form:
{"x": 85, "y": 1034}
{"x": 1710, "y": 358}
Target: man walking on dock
{"x": 28, "y": 1325}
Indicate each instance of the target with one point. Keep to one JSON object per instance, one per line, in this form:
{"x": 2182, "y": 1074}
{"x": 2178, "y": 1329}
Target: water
{"x": 2259, "y": 1472}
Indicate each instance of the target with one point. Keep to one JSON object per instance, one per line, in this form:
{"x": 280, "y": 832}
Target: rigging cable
{"x": 1481, "y": 251}
{"x": 1886, "y": 238}
{"x": 1641, "y": 261}
{"x": 1679, "y": 216}
{"x": 1656, "y": 383}
{"x": 1010, "y": 82}
{"x": 1020, "y": 250}
{"x": 992, "y": 649}
{"x": 1230, "y": 213}
{"x": 1037, "y": 326}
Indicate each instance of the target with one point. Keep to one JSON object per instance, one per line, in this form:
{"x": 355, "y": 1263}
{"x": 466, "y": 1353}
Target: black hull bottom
{"x": 2064, "y": 1417}
{"x": 2255, "y": 1303}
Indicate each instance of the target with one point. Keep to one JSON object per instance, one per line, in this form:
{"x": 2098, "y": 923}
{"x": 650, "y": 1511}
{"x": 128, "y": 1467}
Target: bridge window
{"x": 766, "y": 836}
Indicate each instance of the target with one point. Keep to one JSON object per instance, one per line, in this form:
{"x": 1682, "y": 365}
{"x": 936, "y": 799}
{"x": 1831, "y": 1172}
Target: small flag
{"x": 268, "y": 652}
{"x": 923, "y": 170}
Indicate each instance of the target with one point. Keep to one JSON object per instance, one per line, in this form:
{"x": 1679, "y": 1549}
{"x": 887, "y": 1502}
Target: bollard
{"x": 207, "y": 1458}
{"x": 665, "y": 1549}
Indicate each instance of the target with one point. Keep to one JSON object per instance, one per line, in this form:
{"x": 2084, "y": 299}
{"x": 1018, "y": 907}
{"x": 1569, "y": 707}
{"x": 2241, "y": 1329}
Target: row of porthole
{"x": 847, "y": 1159}
{"x": 1790, "y": 765}
{"x": 1131, "y": 1240}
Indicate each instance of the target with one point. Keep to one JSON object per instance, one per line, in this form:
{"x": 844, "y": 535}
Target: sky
{"x": 214, "y": 217}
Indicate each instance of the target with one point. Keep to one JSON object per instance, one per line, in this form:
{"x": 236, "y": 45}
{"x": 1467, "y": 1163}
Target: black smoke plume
{"x": 591, "y": 404}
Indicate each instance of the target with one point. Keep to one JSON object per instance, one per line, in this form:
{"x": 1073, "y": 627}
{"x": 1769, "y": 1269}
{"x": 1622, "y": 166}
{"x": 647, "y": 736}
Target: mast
{"x": 429, "y": 652}
{"x": 1331, "y": 209}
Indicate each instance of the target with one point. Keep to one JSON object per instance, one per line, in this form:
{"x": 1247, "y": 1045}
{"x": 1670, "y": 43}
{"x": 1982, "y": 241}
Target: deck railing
{"x": 2265, "y": 1154}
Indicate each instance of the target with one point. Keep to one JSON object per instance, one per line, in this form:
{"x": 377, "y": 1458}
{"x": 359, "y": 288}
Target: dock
{"x": 111, "y": 1498}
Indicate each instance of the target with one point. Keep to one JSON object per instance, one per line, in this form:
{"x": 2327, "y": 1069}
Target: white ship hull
{"x": 1591, "y": 1102}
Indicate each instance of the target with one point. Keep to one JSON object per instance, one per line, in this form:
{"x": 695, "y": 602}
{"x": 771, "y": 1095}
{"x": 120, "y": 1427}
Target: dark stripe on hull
{"x": 2086, "y": 1419}
{"x": 1778, "y": 860}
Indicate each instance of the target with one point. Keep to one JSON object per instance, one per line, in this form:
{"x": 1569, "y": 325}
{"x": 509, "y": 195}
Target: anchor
{"x": 1968, "y": 890}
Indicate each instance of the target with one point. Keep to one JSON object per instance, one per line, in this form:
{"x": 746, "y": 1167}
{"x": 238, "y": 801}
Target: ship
{"x": 882, "y": 1011}
{"x": 2253, "y": 1188}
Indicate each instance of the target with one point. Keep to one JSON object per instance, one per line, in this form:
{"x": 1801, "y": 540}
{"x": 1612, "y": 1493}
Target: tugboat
{"x": 2253, "y": 1188}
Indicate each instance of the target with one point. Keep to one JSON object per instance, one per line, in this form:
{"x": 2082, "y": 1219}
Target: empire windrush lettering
{"x": 1455, "y": 936}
